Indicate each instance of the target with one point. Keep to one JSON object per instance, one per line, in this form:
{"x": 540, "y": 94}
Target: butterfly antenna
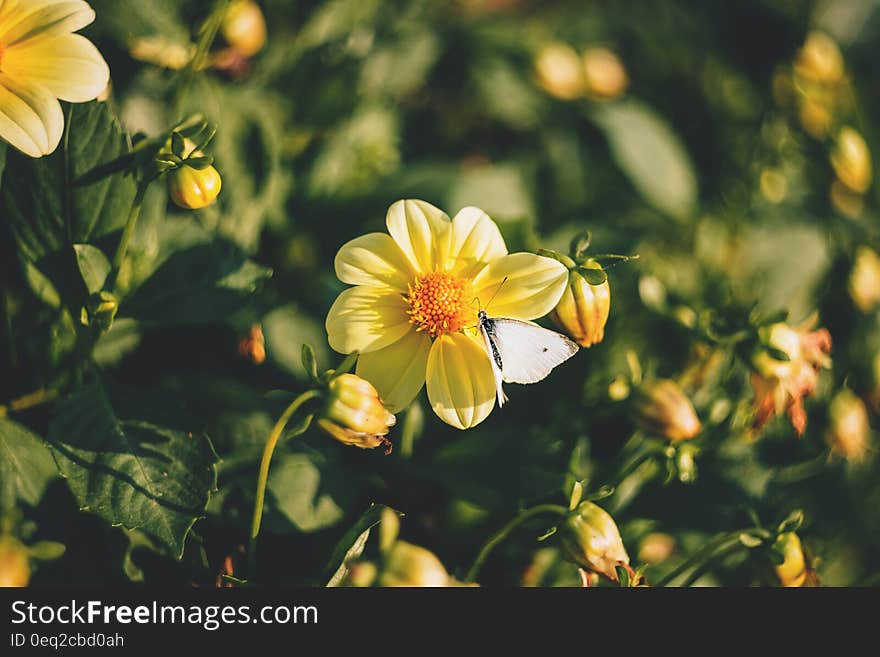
{"x": 492, "y": 298}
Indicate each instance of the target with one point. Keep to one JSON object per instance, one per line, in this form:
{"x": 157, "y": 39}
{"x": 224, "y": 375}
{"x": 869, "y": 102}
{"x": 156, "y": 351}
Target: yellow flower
{"x": 41, "y": 61}
{"x": 413, "y": 311}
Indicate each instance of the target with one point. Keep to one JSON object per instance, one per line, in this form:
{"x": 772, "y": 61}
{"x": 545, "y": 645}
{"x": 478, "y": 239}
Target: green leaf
{"x": 749, "y": 540}
{"x": 41, "y": 286}
{"x": 593, "y": 276}
{"x": 46, "y": 211}
{"x": 178, "y": 146}
{"x": 651, "y": 155}
{"x": 199, "y": 163}
{"x": 352, "y": 544}
{"x": 287, "y": 330}
{"x": 792, "y": 522}
{"x": 500, "y": 190}
{"x": 26, "y": 465}
{"x": 309, "y": 363}
{"x": 93, "y": 266}
{"x": 777, "y": 354}
{"x": 133, "y": 462}
{"x": 205, "y": 283}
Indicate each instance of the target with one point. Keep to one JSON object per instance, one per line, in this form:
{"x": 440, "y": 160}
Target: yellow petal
{"x": 69, "y": 66}
{"x": 366, "y": 319}
{"x": 41, "y": 18}
{"x": 461, "y": 387}
{"x": 374, "y": 259}
{"x": 30, "y": 117}
{"x": 474, "y": 241}
{"x": 533, "y": 287}
{"x": 420, "y": 230}
{"x": 397, "y": 371}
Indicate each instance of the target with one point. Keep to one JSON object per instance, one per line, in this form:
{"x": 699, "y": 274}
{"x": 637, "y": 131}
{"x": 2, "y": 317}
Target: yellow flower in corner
{"x": 413, "y": 312}
{"x": 41, "y": 61}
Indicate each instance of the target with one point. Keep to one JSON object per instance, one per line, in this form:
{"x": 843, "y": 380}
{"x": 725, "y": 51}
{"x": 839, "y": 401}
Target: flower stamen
{"x": 438, "y": 303}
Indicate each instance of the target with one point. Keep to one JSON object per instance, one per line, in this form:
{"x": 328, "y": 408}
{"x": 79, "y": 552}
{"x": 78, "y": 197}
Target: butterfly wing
{"x": 529, "y": 352}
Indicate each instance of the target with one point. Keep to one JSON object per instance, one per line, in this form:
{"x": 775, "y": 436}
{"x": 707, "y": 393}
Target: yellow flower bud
{"x": 849, "y": 431}
{"x": 410, "y": 565}
{"x": 560, "y": 71}
{"x": 864, "y": 281}
{"x": 819, "y": 59}
{"x": 354, "y": 414}
{"x": 589, "y": 538}
{"x": 846, "y": 201}
{"x": 253, "y": 345}
{"x": 193, "y": 189}
{"x": 661, "y": 408}
{"x": 161, "y": 51}
{"x": 605, "y": 74}
{"x": 583, "y": 309}
{"x": 815, "y": 118}
{"x": 15, "y": 569}
{"x": 244, "y": 27}
{"x": 792, "y": 572}
{"x": 852, "y": 160}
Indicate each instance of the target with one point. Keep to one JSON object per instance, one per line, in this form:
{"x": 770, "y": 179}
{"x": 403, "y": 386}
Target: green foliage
{"x": 133, "y": 465}
{"x": 163, "y": 355}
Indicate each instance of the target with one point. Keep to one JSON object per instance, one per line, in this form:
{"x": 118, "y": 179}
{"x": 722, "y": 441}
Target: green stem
{"x": 207, "y": 34}
{"x": 707, "y": 565}
{"x": 705, "y": 554}
{"x": 127, "y": 232}
{"x": 263, "y": 477}
{"x": 503, "y": 533}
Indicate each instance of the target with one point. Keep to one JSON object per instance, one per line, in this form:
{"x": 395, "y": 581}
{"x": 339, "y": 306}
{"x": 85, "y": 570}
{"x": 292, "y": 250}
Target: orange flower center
{"x": 439, "y": 303}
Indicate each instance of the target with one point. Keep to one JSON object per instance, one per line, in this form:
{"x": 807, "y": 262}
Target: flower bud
{"x": 15, "y": 569}
{"x": 605, "y": 74}
{"x": 354, "y": 414}
{"x": 792, "y": 572}
{"x": 410, "y": 565}
{"x": 253, "y": 345}
{"x": 781, "y": 385}
{"x": 816, "y": 117}
{"x": 560, "y": 71}
{"x": 864, "y": 281}
{"x": 589, "y": 538}
{"x": 849, "y": 431}
{"x": 244, "y": 27}
{"x": 193, "y": 189}
{"x": 583, "y": 309}
{"x": 162, "y": 51}
{"x": 819, "y": 59}
{"x": 852, "y": 160}
{"x": 661, "y": 408}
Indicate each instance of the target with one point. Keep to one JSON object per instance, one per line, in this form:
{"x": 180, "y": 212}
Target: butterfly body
{"x": 522, "y": 352}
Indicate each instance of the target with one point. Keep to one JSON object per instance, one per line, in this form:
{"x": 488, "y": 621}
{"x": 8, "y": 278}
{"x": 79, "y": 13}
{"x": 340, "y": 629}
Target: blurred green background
{"x": 703, "y": 136}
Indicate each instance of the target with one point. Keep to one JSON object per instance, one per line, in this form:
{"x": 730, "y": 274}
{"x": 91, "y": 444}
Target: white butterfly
{"x": 522, "y": 352}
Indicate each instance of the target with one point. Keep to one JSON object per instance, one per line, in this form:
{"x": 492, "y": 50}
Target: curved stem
{"x": 263, "y": 477}
{"x": 706, "y": 553}
{"x": 502, "y": 533}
